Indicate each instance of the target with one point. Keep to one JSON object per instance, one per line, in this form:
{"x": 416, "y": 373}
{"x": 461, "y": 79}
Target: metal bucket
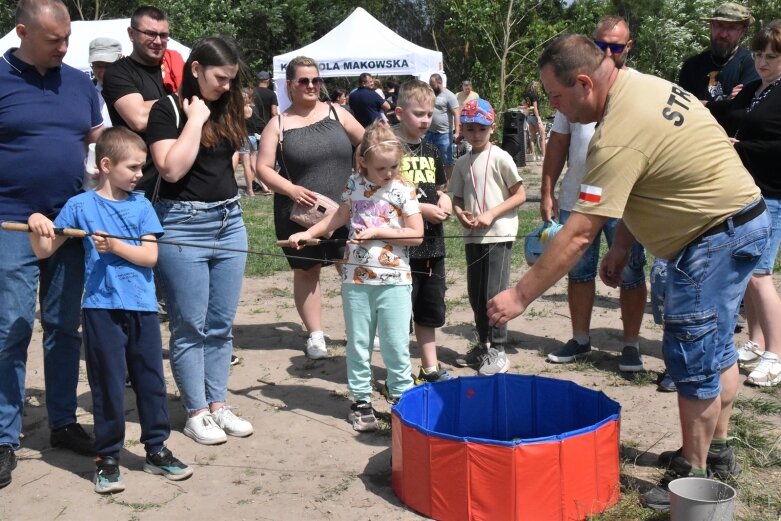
{"x": 701, "y": 499}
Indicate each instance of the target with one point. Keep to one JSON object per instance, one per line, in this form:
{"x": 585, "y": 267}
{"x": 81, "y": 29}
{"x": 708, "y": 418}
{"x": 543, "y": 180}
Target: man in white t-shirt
{"x": 569, "y": 142}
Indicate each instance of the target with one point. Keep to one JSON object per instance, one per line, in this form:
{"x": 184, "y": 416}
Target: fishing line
{"x": 78, "y": 233}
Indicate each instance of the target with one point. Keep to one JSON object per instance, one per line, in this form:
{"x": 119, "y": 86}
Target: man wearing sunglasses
{"x": 712, "y": 74}
{"x": 569, "y": 142}
{"x": 366, "y": 104}
{"x": 133, "y": 84}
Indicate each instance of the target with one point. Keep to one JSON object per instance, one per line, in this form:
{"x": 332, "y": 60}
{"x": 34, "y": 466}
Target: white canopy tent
{"x": 83, "y": 32}
{"x": 359, "y": 44}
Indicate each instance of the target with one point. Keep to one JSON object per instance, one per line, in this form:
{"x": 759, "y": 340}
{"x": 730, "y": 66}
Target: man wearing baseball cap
{"x": 712, "y": 74}
{"x": 102, "y": 53}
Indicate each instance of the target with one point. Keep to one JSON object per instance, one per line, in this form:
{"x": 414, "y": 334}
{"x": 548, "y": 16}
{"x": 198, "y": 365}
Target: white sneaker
{"x": 204, "y": 430}
{"x": 232, "y": 424}
{"x": 315, "y": 348}
{"x": 768, "y": 371}
{"x": 749, "y": 355}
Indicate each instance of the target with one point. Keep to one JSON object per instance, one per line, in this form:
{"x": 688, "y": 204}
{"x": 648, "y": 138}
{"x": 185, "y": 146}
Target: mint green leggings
{"x": 366, "y": 308}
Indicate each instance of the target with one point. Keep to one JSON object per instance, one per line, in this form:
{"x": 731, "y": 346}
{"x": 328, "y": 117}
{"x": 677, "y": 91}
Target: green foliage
{"x": 495, "y": 43}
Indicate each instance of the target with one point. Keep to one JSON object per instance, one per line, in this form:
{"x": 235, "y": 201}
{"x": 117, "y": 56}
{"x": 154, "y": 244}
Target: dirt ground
{"x": 304, "y": 461}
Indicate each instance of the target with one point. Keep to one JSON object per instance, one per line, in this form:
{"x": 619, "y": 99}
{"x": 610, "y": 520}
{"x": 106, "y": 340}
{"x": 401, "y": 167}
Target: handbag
{"x": 308, "y": 216}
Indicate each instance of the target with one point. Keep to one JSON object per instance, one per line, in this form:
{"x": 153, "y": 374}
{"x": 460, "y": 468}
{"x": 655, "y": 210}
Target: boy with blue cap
{"x": 487, "y": 190}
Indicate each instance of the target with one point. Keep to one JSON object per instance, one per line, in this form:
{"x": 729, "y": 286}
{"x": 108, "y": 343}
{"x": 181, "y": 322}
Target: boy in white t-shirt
{"x": 487, "y": 190}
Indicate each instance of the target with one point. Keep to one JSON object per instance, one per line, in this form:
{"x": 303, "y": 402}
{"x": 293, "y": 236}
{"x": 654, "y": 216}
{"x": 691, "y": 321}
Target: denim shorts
{"x": 249, "y": 144}
{"x": 586, "y": 269}
{"x": 768, "y": 260}
{"x": 444, "y": 142}
{"x": 704, "y": 286}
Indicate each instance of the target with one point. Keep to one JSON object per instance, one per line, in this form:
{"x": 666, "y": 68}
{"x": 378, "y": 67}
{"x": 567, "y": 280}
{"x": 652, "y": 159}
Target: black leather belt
{"x": 737, "y": 220}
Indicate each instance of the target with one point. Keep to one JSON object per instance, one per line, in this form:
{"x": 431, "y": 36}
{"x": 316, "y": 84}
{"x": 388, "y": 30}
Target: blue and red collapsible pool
{"x": 506, "y": 447}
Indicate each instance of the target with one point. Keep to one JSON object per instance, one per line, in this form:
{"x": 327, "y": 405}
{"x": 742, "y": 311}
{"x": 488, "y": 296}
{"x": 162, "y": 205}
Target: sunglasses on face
{"x": 305, "y": 82}
{"x": 153, "y": 35}
{"x": 615, "y": 48}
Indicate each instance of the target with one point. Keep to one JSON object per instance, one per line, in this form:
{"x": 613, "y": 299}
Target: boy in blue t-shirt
{"x": 120, "y": 324}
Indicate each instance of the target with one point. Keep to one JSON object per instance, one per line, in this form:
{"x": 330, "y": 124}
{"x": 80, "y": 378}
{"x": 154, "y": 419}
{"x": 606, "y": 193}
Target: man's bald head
{"x": 29, "y": 12}
{"x": 570, "y": 55}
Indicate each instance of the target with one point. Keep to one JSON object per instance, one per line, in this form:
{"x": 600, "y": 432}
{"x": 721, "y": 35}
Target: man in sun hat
{"x": 102, "y": 53}
{"x": 712, "y": 74}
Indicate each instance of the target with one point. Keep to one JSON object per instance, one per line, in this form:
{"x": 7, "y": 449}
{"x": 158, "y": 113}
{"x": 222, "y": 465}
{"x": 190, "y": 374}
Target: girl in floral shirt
{"x": 384, "y": 219}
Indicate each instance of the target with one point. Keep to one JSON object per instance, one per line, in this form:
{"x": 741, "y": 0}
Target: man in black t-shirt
{"x": 133, "y": 84}
{"x": 265, "y": 102}
{"x": 712, "y": 74}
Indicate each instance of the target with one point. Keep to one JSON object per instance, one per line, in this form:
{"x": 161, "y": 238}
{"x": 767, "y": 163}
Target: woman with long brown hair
{"x": 193, "y": 136}
{"x": 312, "y": 142}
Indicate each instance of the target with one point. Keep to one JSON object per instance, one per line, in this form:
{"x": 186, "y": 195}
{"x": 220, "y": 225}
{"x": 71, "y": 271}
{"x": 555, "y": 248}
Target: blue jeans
{"x": 249, "y": 145}
{"x": 61, "y": 285}
{"x": 586, "y": 269}
{"x": 444, "y": 142}
{"x": 365, "y": 308}
{"x": 201, "y": 288}
{"x": 768, "y": 260}
{"x": 705, "y": 283}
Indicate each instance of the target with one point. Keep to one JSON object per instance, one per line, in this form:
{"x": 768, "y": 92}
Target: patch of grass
{"x": 758, "y": 442}
{"x": 761, "y": 503}
{"x": 384, "y": 424}
{"x": 340, "y": 487}
{"x": 643, "y": 378}
{"x": 259, "y": 220}
{"x": 457, "y": 303}
{"x": 136, "y": 506}
{"x": 629, "y": 507}
{"x": 761, "y": 406}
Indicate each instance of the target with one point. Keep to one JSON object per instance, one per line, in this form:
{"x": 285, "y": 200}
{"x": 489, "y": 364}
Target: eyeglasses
{"x": 305, "y": 82}
{"x": 153, "y": 35}
{"x": 615, "y": 48}
{"x": 767, "y": 56}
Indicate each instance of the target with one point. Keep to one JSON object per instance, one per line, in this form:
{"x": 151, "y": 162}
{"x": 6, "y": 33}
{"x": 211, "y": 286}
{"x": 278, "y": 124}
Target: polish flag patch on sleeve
{"x": 590, "y": 194}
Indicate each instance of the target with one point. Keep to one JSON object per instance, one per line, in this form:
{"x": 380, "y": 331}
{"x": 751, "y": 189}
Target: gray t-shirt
{"x": 442, "y": 121}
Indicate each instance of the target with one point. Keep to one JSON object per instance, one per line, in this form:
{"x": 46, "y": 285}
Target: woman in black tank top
{"x": 312, "y": 141}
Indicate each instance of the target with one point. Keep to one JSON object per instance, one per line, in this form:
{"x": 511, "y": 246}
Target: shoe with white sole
{"x": 768, "y": 371}
{"x": 231, "y": 424}
{"x": 630, "y": 361}
{"x": 749, "y": 354}
{"x": 315, "y": 348}
{"x": 203, "y": 429}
